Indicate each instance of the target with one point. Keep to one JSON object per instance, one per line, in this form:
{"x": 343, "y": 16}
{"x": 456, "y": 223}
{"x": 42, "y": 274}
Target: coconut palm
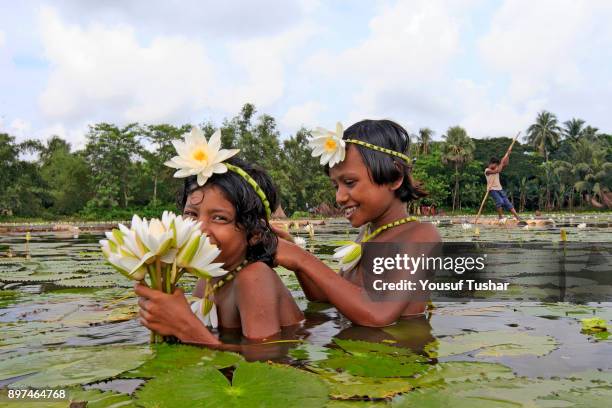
{"x": 572, "y": 129}
{"x": 424, "y": 139}
{"x": 457, "y": 150}
{"x": 544, "y": 133}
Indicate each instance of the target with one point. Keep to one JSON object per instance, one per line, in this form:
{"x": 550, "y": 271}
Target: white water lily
{"x": 182, "y": 228}
{"x": 197, "y": 257}
{"x": 329, "y": 145}
{"x": 121, "y": 258}
{"x": 348, "y": 256}
{"x": 155, "y": 237}
{"x": 198, "y": 156}
{"x": 209, "y": 319}
{"x": 299, "y": 241}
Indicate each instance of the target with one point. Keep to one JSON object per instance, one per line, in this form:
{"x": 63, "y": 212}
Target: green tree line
{"x": 120, "y": 170}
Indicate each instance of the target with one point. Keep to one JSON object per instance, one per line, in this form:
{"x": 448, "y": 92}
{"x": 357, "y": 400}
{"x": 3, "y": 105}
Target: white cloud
{"x": 545, "y": 44}
{"x": 303, "y": 115}
{"x": 104, "y": 73}
{"x": 399, "y": 66}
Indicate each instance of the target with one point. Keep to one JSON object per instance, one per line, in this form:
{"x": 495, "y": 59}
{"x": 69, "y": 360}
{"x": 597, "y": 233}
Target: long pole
{"x": 487, "y": 192}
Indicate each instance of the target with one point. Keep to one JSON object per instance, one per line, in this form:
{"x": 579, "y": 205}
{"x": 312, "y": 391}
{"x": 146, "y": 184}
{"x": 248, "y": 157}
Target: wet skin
{"x": 364, "y": 201}
{"x": 255, "y": 301}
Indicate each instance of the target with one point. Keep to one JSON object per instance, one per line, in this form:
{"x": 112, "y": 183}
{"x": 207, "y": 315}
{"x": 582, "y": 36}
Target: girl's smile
{"x": 217, "y": 215}
{"x": 360, "y": 198}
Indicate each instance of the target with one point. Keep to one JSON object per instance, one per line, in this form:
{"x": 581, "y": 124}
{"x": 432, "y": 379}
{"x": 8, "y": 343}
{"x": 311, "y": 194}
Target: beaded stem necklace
{"x": 350, "y": 254}
{"x": 207, "y": 302}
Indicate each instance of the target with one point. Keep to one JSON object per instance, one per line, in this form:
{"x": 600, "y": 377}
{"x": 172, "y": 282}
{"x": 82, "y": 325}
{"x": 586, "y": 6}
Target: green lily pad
{"x": 169, "y": 357}
{"x": 100, "y": 399}
{"x": 355, "y": 404}
{"x": 459, "y": 372}
{"x": 64, "y": 367}
{"x": 593, "y": 325}
{"x": 495, "y": 344}
{"x": 309, "y": 352}
{"x": 253, "y": 384}
{"x": 373, "y": 360}
{"x": 343, "y": 385}
{"x": 517, "y": 392}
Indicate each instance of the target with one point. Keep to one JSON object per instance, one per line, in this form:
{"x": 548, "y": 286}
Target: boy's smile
{"x": 217, "y": 214}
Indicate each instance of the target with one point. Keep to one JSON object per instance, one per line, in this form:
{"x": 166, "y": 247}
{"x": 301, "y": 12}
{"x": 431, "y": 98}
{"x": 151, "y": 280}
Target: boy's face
{"x": 218, "y": 217}
{"x": 492, "y": 166}
{"x": 361, "y": 199}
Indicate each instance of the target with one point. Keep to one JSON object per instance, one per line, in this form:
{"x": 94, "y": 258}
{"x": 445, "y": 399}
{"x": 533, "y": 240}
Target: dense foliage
{"x": 121, "y": 169}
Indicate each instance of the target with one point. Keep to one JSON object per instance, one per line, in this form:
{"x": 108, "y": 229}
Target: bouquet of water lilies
{"x": 163, "y": 250}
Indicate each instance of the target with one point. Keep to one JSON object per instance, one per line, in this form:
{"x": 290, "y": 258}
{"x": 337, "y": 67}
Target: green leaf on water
{"x": 100, "y": 399}
{"x": 459, "y": 372}
{"x": 343, "y": 385}
{"x": 169, "y": 357}
{"x": 373, "y": 360}
{"x": 253, "y": 385}
{"x": 593, "y": 325}
{"x": 517, "y": 392}
{"x": 495, "y": 344}
{"x": 65, "y": 367}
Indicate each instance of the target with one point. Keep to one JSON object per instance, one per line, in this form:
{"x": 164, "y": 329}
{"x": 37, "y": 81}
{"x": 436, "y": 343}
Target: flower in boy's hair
{"x": 329, "y": 145}
{"x": 198, "y": 156}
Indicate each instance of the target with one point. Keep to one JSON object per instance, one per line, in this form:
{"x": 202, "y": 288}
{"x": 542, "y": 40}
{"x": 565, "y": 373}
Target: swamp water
{"x": 67, "y": 321}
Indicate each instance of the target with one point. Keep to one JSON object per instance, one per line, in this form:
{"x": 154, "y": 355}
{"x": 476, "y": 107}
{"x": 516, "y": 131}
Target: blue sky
{"x": 489, "y": 66}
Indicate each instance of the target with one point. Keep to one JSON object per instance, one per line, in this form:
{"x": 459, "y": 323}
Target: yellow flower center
{"x": 330, "y": 145}
{"x": 200, "y": 155}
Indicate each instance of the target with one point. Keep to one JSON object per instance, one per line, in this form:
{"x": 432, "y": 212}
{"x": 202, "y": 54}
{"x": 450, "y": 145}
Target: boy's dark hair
{"x": 493, "y": 160}
{"x": 383, "y": 167}
{"x": 250, "y": 211}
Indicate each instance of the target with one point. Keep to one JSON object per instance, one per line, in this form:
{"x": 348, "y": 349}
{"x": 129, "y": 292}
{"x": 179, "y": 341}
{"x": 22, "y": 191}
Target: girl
{"x": 233, "y": 208}
{"x": 371, "y": 175}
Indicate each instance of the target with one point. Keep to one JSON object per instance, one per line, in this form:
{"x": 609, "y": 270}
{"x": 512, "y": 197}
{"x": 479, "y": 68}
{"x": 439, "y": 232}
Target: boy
{"x": 494, "y": 186}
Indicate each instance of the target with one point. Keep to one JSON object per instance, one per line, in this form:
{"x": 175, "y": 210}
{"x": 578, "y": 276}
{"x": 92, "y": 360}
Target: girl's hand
{"x": 281, "y": 233}
{"x": 287, "y": 255}
{"x": 171, "y": 315}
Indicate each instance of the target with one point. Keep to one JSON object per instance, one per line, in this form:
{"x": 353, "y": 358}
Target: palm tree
{"x": 424, "y": 139}
{"x": 572, "y": 129}
{"x": 593, "y": 173}
{"x": 544, "y": 133}
{"x": 457, "y": 150}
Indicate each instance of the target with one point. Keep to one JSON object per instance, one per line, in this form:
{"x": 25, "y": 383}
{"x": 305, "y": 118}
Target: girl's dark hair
{"x": 383, "y": 167}
{"x": 250, "y": 210}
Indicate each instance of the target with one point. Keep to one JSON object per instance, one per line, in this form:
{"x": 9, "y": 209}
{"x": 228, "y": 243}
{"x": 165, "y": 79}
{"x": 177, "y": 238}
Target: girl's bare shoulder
{"x": 414, "y": 232}
{"x": 255, "y": 273}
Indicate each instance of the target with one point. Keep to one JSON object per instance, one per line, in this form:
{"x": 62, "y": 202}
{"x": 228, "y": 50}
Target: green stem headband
{"x": 380, "y": 149}
{"x": 253, "y": 184}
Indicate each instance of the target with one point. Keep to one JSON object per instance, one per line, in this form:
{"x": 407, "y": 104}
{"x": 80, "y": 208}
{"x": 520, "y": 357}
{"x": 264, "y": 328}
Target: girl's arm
{"x": 350, "y": 299}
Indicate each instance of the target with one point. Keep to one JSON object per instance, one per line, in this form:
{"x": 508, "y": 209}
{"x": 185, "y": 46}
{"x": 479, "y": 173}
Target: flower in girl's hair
{"x": 329, "y": 145}
{"x": 198, "y": 156}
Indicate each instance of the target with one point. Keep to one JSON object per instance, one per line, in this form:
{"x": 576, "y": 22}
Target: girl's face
{"x": 218, "y": 217}
{"x": 361, "y": 199}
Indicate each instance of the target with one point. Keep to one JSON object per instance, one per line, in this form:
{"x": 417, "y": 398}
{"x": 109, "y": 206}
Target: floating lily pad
{"x": 517, "y": 392}
{"x": 253, "y": 384}
{"x": 100, "y": 399}
{"x": 64, "y": 367}
{"x": 459, "y": 372}
{"x": 343, "y": 385}
{"x": 373, "y": 360}
{"x": 169, "y": 357}
{"x": 593, "y": 325}
{"x": 309, "y": 352}
{"x": 495, "y": 344}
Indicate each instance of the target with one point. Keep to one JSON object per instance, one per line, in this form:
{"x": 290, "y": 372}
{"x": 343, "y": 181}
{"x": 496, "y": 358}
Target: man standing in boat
{"x": 496, "y": 191}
